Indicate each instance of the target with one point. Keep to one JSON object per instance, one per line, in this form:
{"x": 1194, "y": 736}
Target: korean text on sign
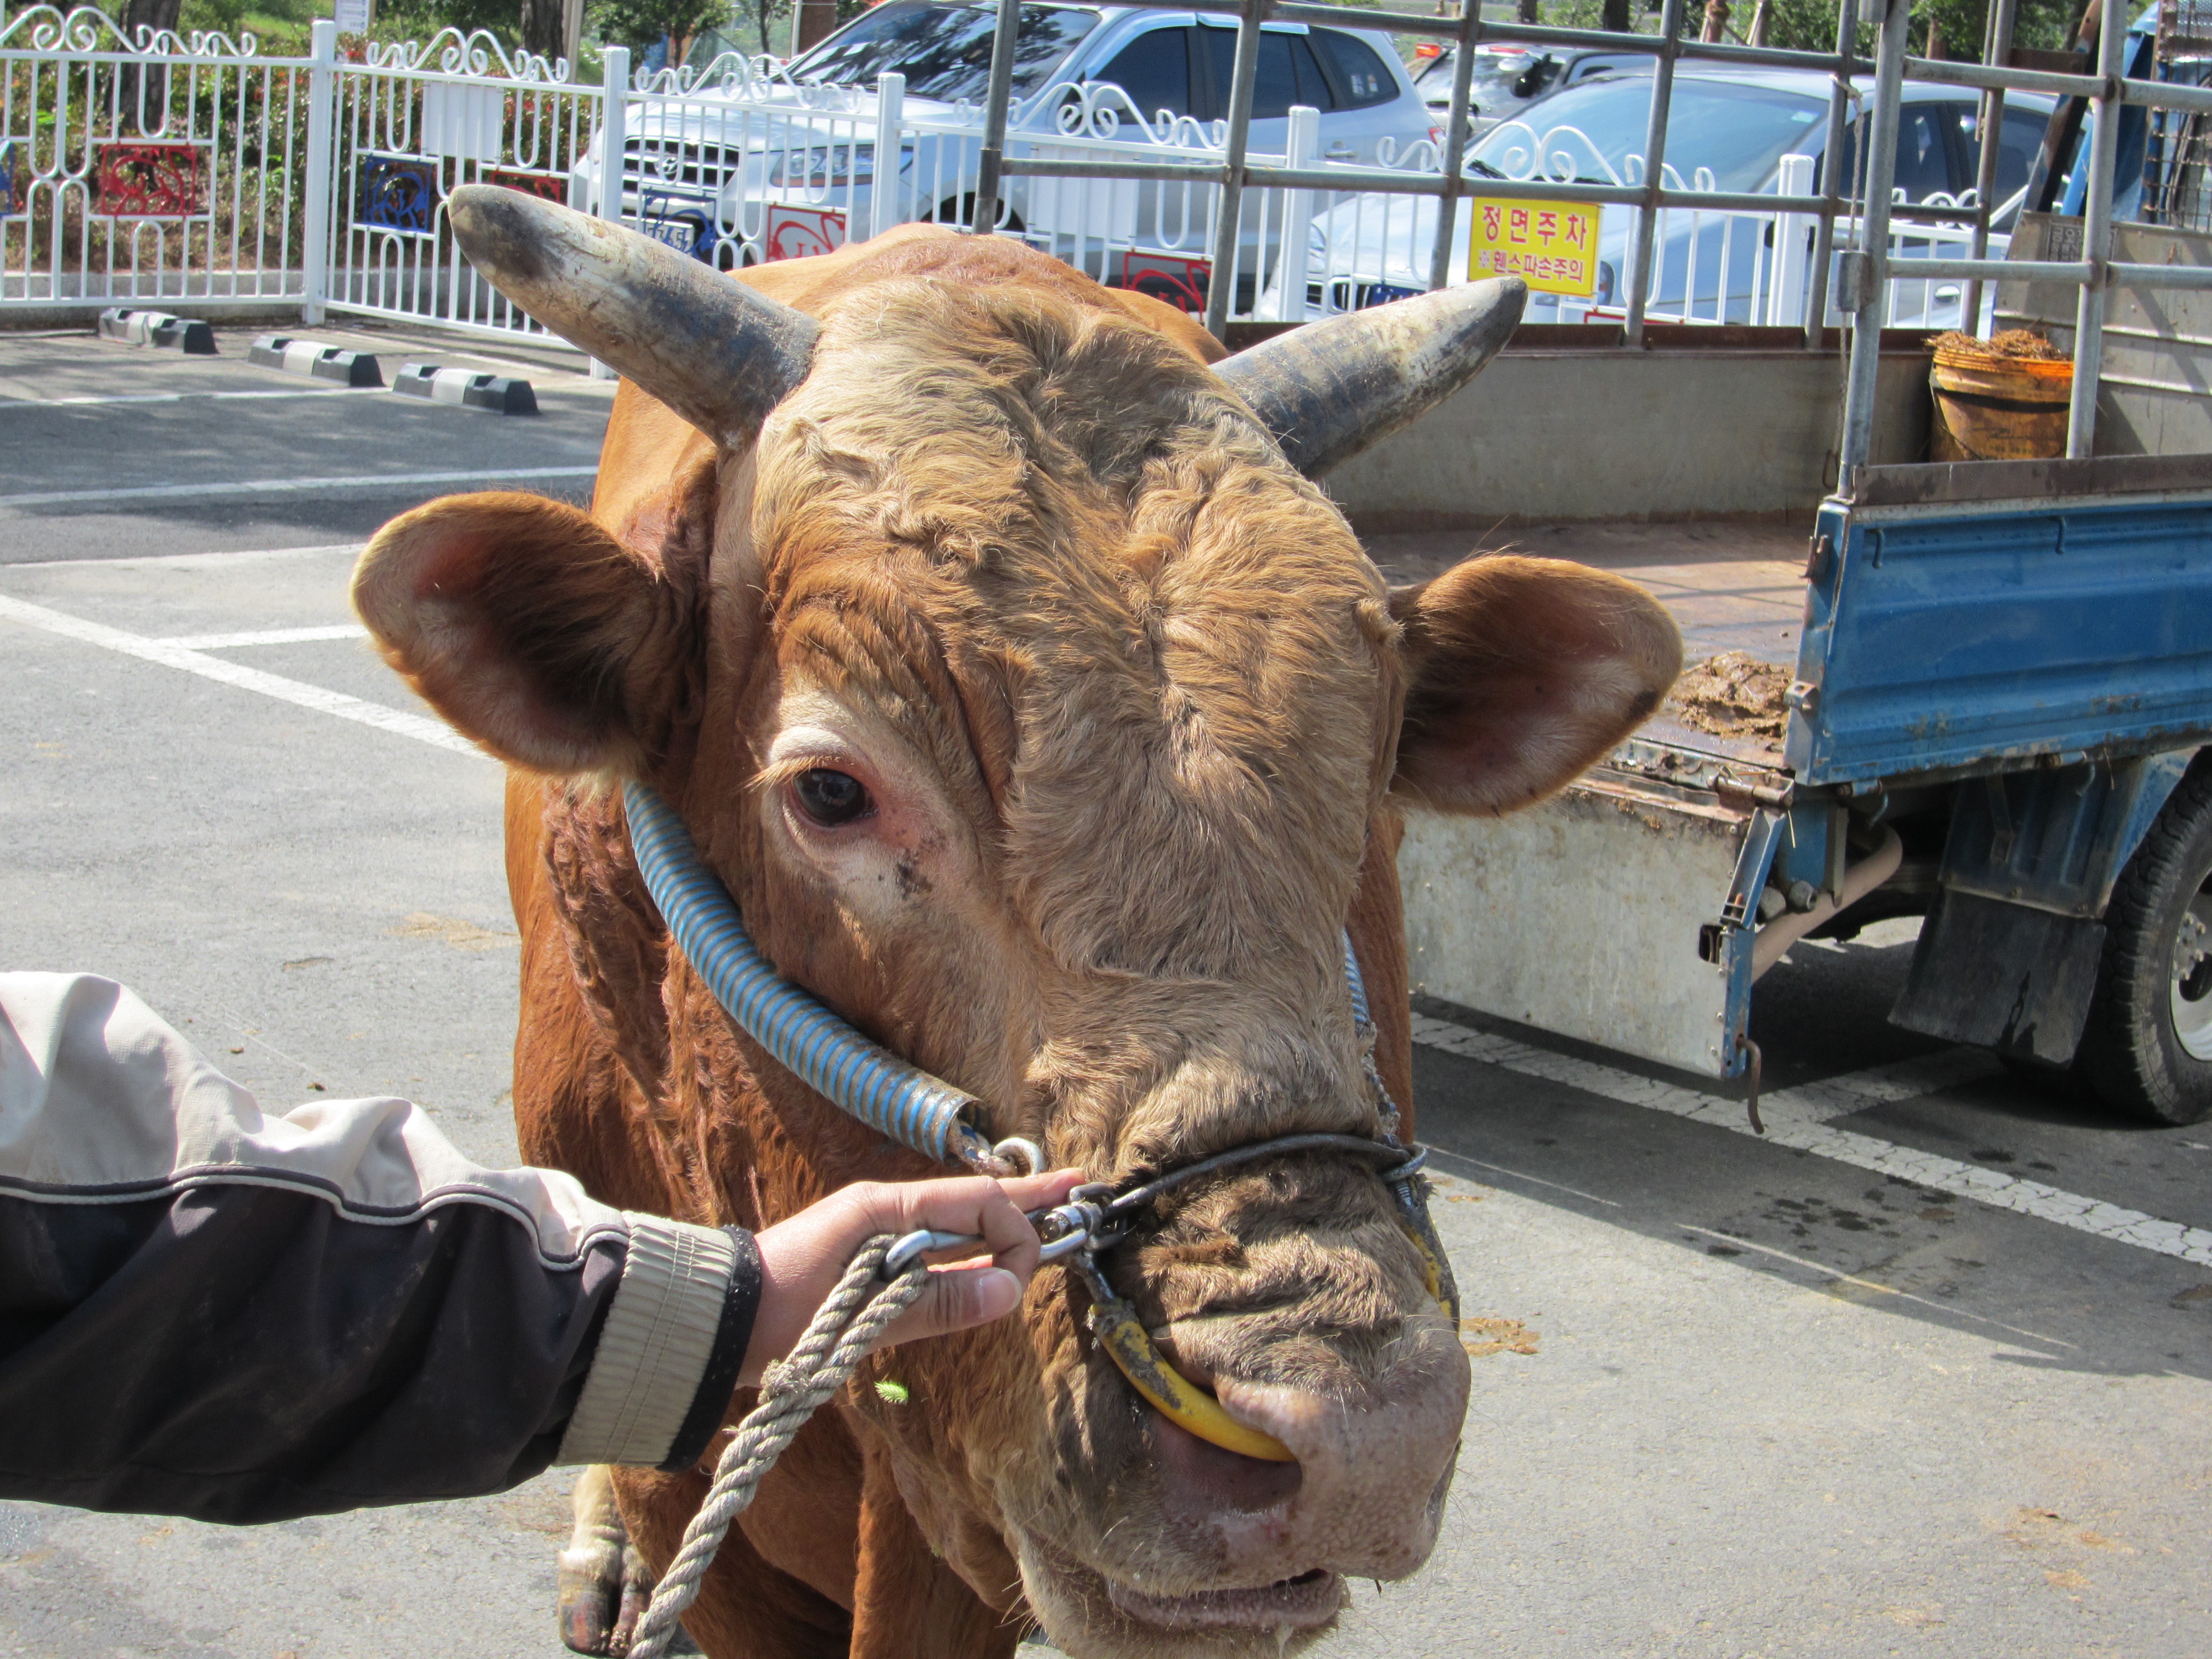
{"x": 1551, "y": 246}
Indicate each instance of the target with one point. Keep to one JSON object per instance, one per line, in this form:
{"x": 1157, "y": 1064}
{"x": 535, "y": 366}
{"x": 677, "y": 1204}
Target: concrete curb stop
{"x": 315, "y": 360}
{"x": 157, "y": 328}
{"x": 463, "y": 389}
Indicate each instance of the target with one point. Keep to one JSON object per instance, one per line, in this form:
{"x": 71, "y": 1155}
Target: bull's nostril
{"x": 1199, "y": 1479}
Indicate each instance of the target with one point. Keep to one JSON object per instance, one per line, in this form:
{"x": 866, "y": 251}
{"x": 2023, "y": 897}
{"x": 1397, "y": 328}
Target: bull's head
{"x": 1050, "y": 724}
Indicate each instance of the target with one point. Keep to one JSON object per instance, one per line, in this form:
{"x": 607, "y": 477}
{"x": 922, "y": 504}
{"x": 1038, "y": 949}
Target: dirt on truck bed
{"x": 1736, "y": 589}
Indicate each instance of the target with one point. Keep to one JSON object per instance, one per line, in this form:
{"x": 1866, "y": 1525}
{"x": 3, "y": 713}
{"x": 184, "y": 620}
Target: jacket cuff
{"x": 711, "y": 1404}
{"x": 662, "y": 1335}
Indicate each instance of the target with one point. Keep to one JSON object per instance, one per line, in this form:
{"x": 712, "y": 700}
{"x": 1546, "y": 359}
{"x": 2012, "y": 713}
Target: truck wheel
{"x": 2147, "y": 1048}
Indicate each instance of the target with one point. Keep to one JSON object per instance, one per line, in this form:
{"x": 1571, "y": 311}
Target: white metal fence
{"x": 171, "y": 168}
{"x": 164, "y": 168}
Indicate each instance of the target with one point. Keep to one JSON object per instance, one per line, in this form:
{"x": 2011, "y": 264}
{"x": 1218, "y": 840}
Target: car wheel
{"x": 2147, "y": 1048}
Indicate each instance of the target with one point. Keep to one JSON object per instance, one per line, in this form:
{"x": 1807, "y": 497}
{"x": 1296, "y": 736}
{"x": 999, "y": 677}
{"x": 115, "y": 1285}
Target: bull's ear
{"x": 1520, "y": 674}
{"x": 530, "y": 627}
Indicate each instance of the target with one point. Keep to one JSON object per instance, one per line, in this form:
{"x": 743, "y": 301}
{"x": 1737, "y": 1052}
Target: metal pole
{"x": 2097, "y": 236}
{"x": 995, "y": 99}
{"x": 1470, "y": 31}
{"x": 322, "y": 165}
{"x": 1654, "y": 165}
{"x": 1831, "y": 165}
{"x": 1870, "y": 292}
{"x": 1221, "y": 286}
{"x": 1985, "y": 176}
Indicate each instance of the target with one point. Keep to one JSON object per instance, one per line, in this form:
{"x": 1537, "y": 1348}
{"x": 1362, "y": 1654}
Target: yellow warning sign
{"x": 1551, "y": 246}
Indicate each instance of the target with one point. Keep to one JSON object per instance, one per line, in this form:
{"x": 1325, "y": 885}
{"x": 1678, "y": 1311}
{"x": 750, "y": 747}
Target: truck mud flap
{"x": 2002, "y": 976}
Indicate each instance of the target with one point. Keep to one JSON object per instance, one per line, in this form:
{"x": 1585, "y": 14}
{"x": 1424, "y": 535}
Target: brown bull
{"x": 1049, "y": 725}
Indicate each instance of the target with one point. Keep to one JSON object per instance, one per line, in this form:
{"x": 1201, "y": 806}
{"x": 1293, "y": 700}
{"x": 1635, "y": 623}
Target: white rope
{"x": 850, "y": 1323}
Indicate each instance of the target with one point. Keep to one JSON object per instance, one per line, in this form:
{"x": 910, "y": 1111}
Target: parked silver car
{"x": 1728, "y": 130}
{"x": 702, "y": 168}
{"x": 1506, "y": 79}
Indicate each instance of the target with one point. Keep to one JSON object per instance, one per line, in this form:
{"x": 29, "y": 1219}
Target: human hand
{"x": 803, "y": 1258}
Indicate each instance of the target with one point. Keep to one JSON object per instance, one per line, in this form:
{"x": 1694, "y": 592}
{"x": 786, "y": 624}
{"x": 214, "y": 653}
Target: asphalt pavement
{"x": 1733, "y": 1396}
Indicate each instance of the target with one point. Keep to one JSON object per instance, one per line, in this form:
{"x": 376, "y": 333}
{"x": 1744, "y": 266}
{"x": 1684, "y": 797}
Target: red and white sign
{"x": 796, "y": 232}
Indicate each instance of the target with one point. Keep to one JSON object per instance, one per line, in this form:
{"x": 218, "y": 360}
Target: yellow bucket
{"x": 1994, "y": 408}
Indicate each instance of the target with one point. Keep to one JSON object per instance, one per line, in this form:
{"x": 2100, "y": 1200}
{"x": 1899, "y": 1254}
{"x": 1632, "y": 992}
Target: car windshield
{"x": 944, "y": 51}
{"x": 1591, "y": 133}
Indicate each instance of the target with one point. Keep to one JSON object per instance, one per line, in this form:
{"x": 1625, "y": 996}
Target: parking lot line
{"x": 171, "y": 655}
{"x": 265, "y": 636}
{"x": 180, "y": 396}
{"x": 1798, "y": 1118}
{"x": 1949, "y": 1310}
{"x": 215, "y": 560}
{"x": 292, "y": 486}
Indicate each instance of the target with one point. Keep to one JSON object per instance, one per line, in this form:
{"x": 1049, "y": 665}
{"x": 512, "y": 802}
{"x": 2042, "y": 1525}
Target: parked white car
{"x": 705, "y": 167}
{"x": 1728, "y": 130}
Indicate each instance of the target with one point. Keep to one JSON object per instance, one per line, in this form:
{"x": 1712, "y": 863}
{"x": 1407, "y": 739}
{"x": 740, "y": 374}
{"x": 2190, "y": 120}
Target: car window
{"x": 1924, "y": 165}
{"x": 1924, "y": 160}
{"x": 1491, "y": 85}
{"x": 1625, "y": 63}
{"x": 1591, "y": 131}
{"x": 1431, "y": 74}
{"x": 1276, "y": 86}
{"x": 1361, "y": 79}
{"x": 944, "y": 51}
{"x": 1154, "y": 69}
{"x": 2018, "y": 140}
{"x": 1287, "y": 74}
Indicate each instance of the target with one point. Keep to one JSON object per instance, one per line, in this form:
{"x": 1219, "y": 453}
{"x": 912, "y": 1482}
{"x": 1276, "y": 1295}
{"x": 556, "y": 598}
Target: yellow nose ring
{"x": 1176, "y": 1397}
{"x": 1114, "y": 1327}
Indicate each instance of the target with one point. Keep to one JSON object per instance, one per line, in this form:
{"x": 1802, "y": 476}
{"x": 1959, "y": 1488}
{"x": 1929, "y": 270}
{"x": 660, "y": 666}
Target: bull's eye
{"x": 831, "y": 798}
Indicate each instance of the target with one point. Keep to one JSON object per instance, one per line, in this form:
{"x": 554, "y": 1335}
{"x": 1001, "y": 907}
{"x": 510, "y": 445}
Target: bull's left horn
{"x": 1330, "y": 389}
{"x": 712, "y": 349}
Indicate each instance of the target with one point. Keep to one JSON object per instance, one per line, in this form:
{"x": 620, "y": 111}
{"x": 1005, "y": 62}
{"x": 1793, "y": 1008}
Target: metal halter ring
{"x": 1096, "y": 1217}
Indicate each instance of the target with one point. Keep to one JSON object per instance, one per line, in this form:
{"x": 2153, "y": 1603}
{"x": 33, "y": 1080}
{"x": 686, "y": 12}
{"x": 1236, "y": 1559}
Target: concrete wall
{"x": 1673, "y": 433}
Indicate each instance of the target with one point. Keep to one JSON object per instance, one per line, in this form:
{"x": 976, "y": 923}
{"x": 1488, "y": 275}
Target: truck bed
{"x": 1730, "y": 585}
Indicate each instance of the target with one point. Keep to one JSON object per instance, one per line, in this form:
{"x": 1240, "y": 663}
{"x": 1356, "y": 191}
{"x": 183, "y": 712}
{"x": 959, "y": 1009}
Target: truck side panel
{"x": 1939, "y": 637}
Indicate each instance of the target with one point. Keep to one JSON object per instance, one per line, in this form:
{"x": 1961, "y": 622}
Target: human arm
{"x": 210, "y": 1312}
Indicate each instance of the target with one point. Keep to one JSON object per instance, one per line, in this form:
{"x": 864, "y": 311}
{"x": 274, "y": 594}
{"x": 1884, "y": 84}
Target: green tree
{"x": 1810, "y": 25}
{"x": 638, "y": 24}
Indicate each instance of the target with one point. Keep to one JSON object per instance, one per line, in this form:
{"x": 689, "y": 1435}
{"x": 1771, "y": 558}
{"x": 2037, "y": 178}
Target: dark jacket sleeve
{"x": 206, "y": 1312}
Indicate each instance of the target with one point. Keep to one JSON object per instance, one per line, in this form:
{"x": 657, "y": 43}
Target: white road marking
{"x": 1799, "y": 1118}
{"x": 265, "y": 637}
{"x": 188, "y": 561}
{"x": 172, "y": 655}
{"x": 180, "y": 396}
{"x": 1520, "y": 1174}
{"x": 1731, "y": 1242}
{"x": 293, "y": 486}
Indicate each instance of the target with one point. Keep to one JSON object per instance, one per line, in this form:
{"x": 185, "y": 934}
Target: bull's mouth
{"x": 1311, "y": 1598}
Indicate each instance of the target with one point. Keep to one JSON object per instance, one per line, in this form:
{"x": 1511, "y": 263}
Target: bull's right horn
{"x": 1328, "y": 390}
{"x": 712, "y": 349}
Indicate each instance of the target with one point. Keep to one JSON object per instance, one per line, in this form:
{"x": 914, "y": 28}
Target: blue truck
{"x": 1989, "y": 681}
